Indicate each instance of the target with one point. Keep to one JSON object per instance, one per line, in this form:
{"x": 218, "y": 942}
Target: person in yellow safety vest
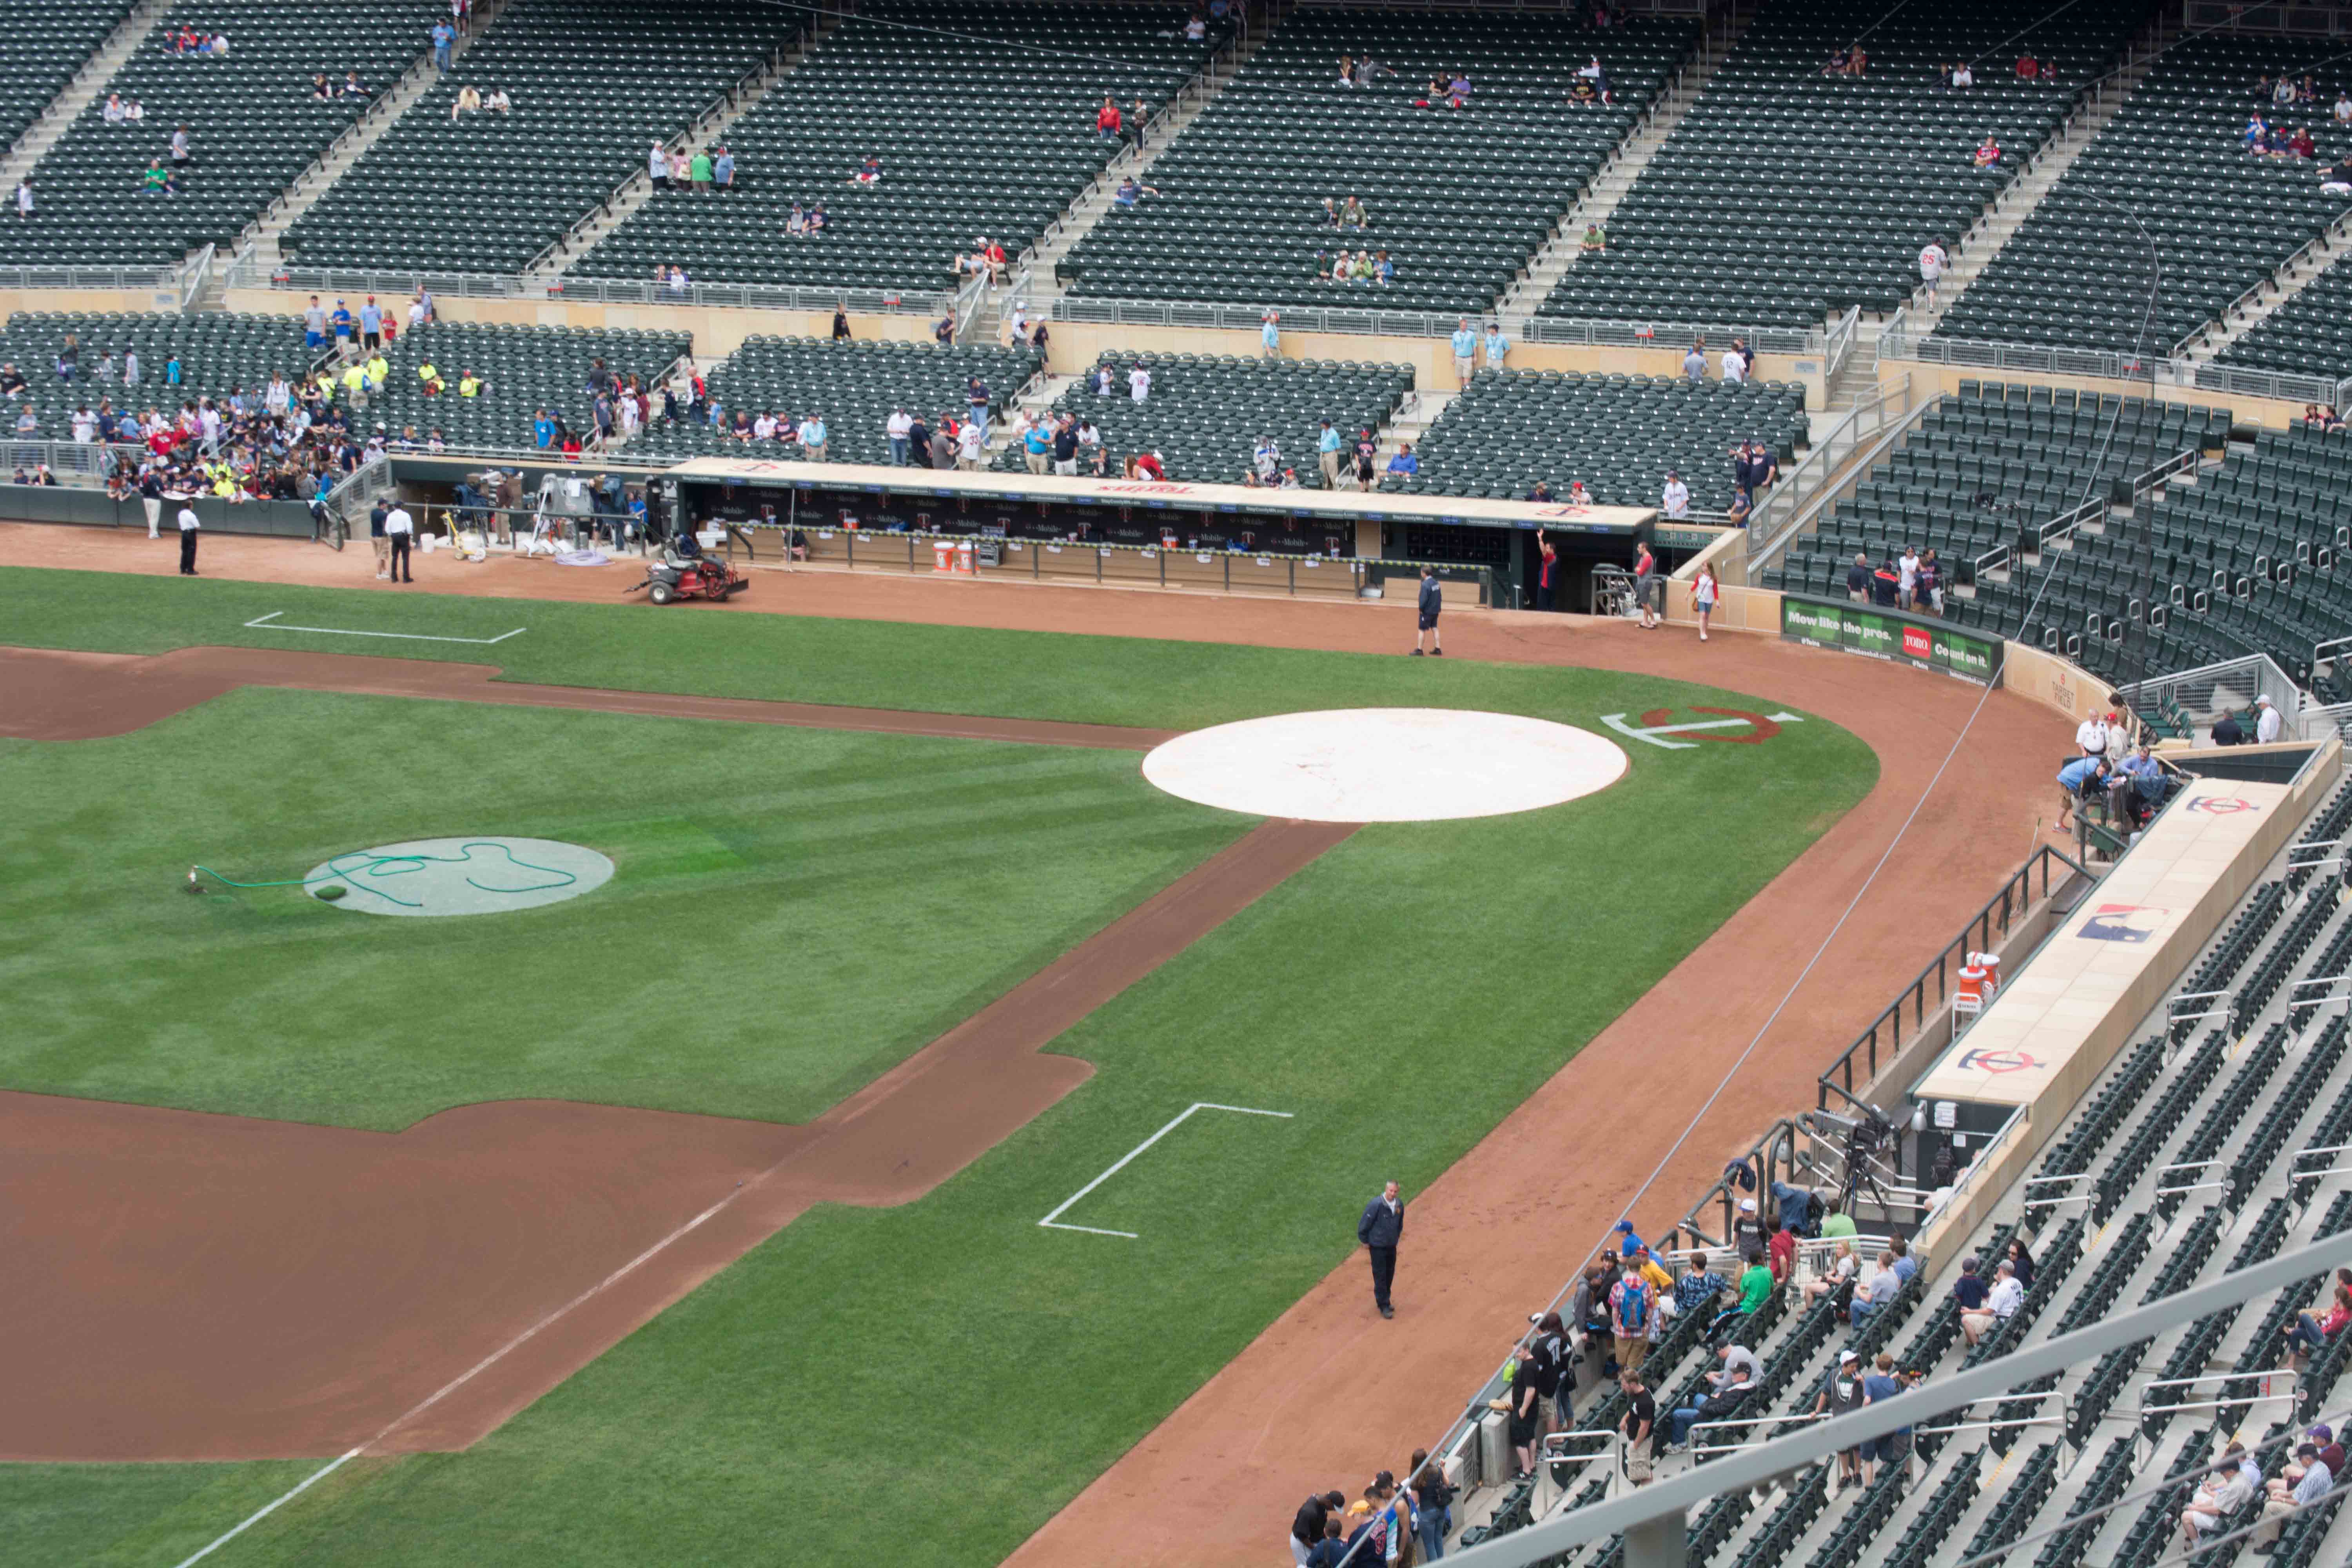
{"x": 431, "y": 378}
{"x": 379, "y": 370}
{"x": 327, "y": 384}
{"x": 355, "y": 380}
{"x": 468, "y": 385}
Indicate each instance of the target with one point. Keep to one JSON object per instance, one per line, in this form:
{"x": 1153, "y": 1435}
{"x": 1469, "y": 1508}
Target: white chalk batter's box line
{"x": 270, "y": 623}
{"x": 1051, "y": 1222}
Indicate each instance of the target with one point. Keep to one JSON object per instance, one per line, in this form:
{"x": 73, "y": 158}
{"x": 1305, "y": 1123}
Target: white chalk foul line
{"x": 1049, "y": 1221}
{"x": 462, "y": 1378}
{"x": 270, "y": 623}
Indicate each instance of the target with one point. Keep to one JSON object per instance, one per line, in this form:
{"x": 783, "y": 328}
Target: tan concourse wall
{"x": 107, "y": 300}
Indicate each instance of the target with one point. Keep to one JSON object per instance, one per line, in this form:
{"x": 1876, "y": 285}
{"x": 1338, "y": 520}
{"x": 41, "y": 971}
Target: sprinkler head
{"x": 193, "y": 886}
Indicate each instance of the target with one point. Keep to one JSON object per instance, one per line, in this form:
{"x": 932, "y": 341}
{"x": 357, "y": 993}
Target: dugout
{"x": 1276, "y": 532}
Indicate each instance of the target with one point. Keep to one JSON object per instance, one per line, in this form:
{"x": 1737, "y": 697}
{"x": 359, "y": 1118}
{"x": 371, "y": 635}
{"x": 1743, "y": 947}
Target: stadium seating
{"x": 1617, "y": 434}
{"x": 47, "y": 42}
{"x": 2310, "y": 334}
{"x": 2170, "y": 170}
{"x": 592, "y": 81}
{"x": 523, "y": 369}
{"x": 853, "y": 385}
{"x": 1985, "y": 468}
{"x": 1459, "y": 199}
{"x": 252, "y": 128}
{"x": 1787, "y": 195}
{"x": 1205, "y": 414}
{"x": 983, "y": 121}
{"x": 218, "y": 355}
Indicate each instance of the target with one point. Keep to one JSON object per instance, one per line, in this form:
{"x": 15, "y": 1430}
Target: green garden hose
{"x": 374, "y": 866}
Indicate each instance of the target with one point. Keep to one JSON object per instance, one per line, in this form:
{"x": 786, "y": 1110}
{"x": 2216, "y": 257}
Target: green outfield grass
{"x": 927, "y": 1386}
{"x": 793, "y": 910}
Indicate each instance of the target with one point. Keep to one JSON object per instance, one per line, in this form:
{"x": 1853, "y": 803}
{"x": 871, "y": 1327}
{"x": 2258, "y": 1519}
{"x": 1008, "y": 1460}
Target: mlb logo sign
{"x": 1917, "y": 644}
{"x": 2122, "y": 922}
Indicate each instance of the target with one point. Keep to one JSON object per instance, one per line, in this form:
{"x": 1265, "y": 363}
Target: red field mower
{"x": 676, "y": 577}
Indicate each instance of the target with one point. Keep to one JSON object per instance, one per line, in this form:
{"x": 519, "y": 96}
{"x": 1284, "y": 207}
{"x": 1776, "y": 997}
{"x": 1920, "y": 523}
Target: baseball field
{"x": 695, "y": 1219}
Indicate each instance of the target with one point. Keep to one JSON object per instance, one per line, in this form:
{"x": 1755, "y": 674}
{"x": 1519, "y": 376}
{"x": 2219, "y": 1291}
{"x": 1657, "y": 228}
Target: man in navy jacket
{"x": 1382, "y": 1224}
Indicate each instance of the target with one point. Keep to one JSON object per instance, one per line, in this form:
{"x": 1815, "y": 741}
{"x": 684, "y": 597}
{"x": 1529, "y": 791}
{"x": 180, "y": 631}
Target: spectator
{"x": 1841, "y": 1273}
{"x": 1037, "y": 444}
{"x": 444, "y": 37}
{"x": 971, "y": 444}
{"x": 1596, "y": 238}
{"x": 1139, "y": 382}
{"x": 2287, "y": 1498}
{"x": 2226, "y": 1489}
{"x": 2310, "y": 1332}
{"x": 1880, "y": 1383}
{"x": 1139, "y": 115}
{"x": 1988, "y": 151}
{"x": 1091, "y": 451}
{"x": 1523, "y": 1404}
{"x": 2343, "y": 110}
{"x": 1906, "y": 1266}
{"x": 1352, "y": 216}
{"x": 1933, "y": 259}
{"x": 1403, "y": 464}
{"x": 2081, "y": 779}
{"x": 2028, "y": 68}
{"x": 1735, "y": 363}
{"x": 1107, "y": 121}
{"x": 1632, "y": 1307}
{"x": 1497, "y": 346}
{"x": 1835, "y": 1221}
{"x": 1368, "y": 453}
{"x": 1756, "y": 1286}
{"x": 1729, "y": 1387}
{"x": 1906, "y": 576}
{"x": 1841, "y": 1394}
{"x": 1674, "y": 498}
{"x": 468, "y": 101}
{"x": 112, "y": 112}
{"x": 813, "y": 438}
{"x": 1639, "y": 1425}
{"x": 2000, "y": 1303}
{"x": 1131, "y": 191}
{"x": 498, "y": 102}
{"x": 2021, "y": 1265}
{"x": 1432, "y": 1501}
{"x": 2331, "y": 1453}
{"x": 869, "y": 173}
{"x": 1880, "y": 1286}
{"x": 2227, "y": 731}
{"x": 1465, "y": 350}
{"x": 2267, "y": 722}
{"x": 1695, "y": 363}
{"x": 1970, "y": 1291}
{"x": 1700, "y": 1290}
{"x": 1963, "y": 78}
{"x": 1646, "y": 582}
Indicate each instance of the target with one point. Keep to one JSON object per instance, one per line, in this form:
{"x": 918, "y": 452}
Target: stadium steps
{"x": 1042, "y": 392}
{"x": 1032, "y": 281}
{"x": 81, "y": 92}
{"x": 2280, "y": 288}
{"x": 2022, "y": 196}
{"x": 1413, "y": 419}
{"x": 705, "y": 133}
{"x": 1559, "y": 253}
{"x": 258, "y": 245}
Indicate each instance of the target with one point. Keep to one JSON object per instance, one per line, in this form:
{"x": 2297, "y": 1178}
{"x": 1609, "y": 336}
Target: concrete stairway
{"x": 81, "y": 91}
{"x": 1032, "y": 281}
{"x": 2016, "y": 202}
{"x": 1411, "y": 421}
{"x": 258, "y": 243}
{"x": 1559, "y": 253}
{"x": 2276, "y": 290}
{"x": 705, "y": 133}
{"x": 1033, "y": 400}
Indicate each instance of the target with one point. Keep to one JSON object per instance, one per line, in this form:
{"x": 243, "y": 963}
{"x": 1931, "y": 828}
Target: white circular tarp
{"x": 1386, "y": 764}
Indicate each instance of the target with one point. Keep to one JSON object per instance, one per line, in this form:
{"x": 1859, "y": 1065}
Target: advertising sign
{"x": 1891, "y": 634}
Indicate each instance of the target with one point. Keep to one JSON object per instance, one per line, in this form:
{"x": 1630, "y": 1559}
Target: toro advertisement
{"x": 1891, "y": 634}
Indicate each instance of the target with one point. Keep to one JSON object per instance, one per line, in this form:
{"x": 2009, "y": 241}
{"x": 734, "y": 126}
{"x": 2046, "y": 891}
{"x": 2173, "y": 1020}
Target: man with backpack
{"x": 1631, "y": 1308}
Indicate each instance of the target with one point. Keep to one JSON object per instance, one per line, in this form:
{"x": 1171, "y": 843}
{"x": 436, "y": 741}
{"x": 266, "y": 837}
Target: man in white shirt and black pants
{"x": 400, "y": 529}
{"x": 188, "y": 526}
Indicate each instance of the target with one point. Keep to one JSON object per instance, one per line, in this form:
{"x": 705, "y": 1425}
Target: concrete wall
{"x": 92, "y": 300}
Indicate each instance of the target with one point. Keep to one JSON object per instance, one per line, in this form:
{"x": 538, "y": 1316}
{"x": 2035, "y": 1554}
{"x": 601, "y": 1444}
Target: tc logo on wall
{"x": 2122, "y": 922}
{"x": 2219, "y": 806}
{"x": 1995, "y": 1061}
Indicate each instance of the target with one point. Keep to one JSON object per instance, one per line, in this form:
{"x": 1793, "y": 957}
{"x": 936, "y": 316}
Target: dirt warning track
{"x": 1331, "y": 1391}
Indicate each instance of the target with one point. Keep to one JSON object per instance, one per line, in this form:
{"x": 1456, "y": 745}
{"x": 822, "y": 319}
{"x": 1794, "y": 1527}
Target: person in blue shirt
{"x": 1403, "y": 464}
{"x": 1269, "y": 333}
{"x": 1497, "y": 345}
{"x": 371, "y": 324}
{"x": 543, "y": 428}
{"x": 341, "y": 322}
{"x": 1327, "y": 448}
{"x": 1131, "y": 190}
{"x": 1034, "y": 446}
{"x": 444, "y": 36}
{"x": 2080, "y": 779}
{"x": 2138, "y": 787}
{"x": 1465, "y": 351}
{"x": 813, "y": 438}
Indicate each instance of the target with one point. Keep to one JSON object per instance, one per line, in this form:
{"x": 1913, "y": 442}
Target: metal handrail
{"x": 1238, "y": 316}
{"x": 1829, "y": 470}
{"x": 293, "y": 278}
{"x": 1977, "y": 934}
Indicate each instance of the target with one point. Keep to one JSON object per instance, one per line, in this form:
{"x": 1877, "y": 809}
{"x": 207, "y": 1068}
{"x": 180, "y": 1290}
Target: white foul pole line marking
{"x": 1049, "y": 1221}
{"x": 1617, "y": 722}
{"x": 270, "y": 623}
{"x": 462, "y": 1378}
